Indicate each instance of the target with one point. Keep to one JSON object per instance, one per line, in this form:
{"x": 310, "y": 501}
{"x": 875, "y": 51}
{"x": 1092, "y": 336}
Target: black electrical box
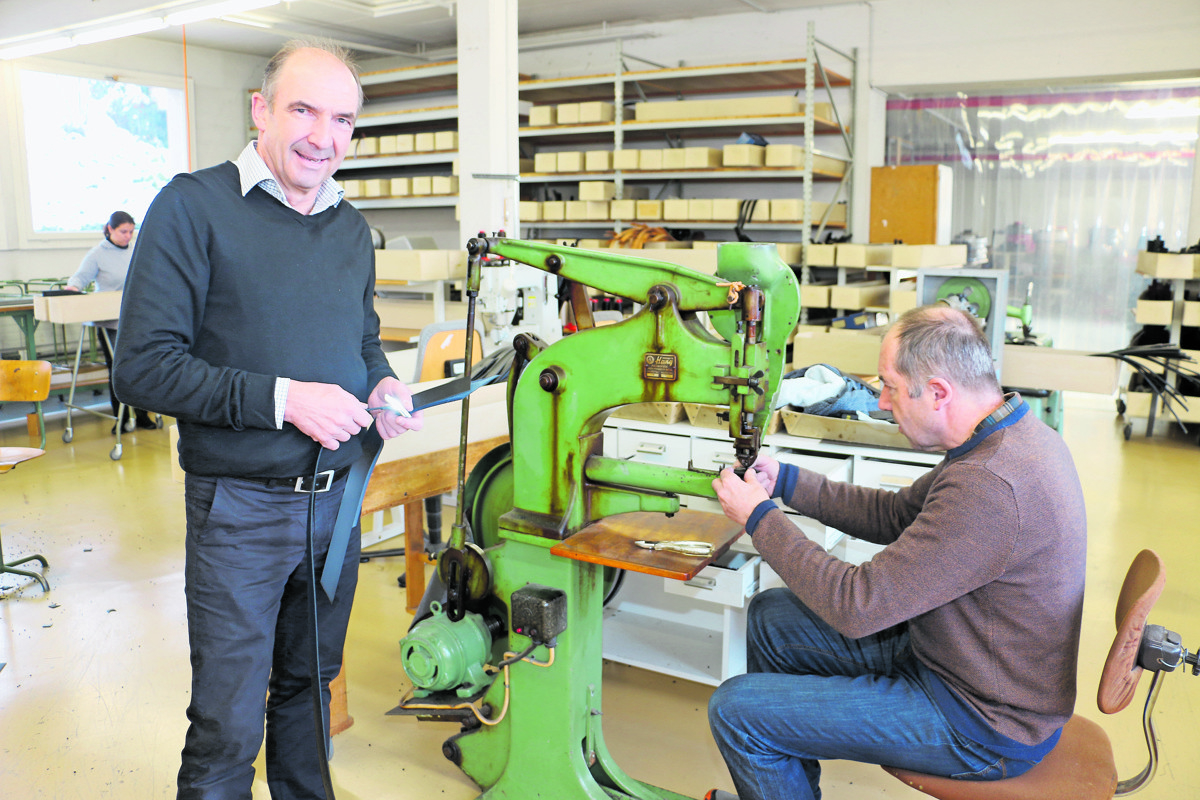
{"x": 539, "y": 612}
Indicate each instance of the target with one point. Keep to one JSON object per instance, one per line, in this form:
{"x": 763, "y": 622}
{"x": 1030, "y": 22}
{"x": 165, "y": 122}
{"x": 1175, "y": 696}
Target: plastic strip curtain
{"x": 1064, "y": 188}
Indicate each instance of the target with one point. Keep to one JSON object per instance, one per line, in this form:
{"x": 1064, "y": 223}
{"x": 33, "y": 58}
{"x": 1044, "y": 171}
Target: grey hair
{"x": 938, "y": 341}
{"x": 290, "y": 48}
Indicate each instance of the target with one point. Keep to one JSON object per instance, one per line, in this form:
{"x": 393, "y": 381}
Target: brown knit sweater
{"x": 985, "y": 560}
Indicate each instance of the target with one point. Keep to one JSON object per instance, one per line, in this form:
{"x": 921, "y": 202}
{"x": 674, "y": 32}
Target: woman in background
{"x": 106, "y": 265}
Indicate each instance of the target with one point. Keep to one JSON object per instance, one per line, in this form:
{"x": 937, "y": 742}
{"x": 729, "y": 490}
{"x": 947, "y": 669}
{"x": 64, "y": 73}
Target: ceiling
{"x": 422, "y": 29}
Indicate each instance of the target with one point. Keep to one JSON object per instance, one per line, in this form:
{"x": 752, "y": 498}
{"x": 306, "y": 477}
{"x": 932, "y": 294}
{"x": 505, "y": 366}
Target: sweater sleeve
{"x": 378, "y": 367}
{"x": 161, "y": 313}
{"x": 958, "y": 542}
{"x": 88, "y": 269}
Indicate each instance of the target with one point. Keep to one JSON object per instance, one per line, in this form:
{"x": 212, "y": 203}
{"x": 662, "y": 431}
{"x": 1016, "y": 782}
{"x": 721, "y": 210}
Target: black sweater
{"x": 224, "y": 294}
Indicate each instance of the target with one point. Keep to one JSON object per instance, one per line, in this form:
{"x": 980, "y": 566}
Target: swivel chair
{"x": 1081, "y": 766}
{"x": 22, "y": 381}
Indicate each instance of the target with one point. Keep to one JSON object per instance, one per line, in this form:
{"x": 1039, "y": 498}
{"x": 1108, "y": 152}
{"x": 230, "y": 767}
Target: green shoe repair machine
{"x": 513, "y": 650}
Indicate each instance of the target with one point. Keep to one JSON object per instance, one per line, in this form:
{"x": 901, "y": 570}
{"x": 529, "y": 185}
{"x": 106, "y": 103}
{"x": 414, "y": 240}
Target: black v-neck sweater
{"x": 226, "y": 293}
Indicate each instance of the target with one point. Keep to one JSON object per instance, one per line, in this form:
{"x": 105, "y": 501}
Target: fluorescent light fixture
{"x": 249, "y": 23}
{"x": 119, "y": 31}
{"x": 1168, "y": 109}
{"x": 35, "y": 48}
{"x": 213, "y": 10}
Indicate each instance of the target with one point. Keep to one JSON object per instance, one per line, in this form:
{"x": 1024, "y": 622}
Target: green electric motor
{"x": 439, "y": 655}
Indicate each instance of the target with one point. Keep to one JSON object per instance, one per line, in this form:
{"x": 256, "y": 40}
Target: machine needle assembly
{"x": 687, "y": 548}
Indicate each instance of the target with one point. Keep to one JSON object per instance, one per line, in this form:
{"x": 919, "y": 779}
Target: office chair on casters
{"x": 1081, "y": 766}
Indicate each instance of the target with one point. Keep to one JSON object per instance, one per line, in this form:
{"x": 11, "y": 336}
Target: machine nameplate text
{"x": 660, "y": 367}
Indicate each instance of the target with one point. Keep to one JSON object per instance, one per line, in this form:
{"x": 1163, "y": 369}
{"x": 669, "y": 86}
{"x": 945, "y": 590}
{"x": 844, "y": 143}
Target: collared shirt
{"x": 253, "y": 171}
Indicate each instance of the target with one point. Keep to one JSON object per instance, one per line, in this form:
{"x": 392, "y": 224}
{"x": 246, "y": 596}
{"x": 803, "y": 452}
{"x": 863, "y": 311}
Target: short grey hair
{"x": 290, "y": 48}
{"x": 939, "y": 341}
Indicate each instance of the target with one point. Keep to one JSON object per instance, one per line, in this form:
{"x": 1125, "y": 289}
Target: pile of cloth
{"x": 823, "y": 390}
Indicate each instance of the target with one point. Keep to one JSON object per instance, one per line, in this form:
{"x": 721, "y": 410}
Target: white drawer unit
{"x": 890, "y": 475}
{"x": 653, "y": 448}
{"x": 836, "y": 468}
{"x": 731, "y": 580}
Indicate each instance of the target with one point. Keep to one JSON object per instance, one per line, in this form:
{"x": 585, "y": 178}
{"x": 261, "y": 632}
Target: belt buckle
{"x": 319, "y": 486}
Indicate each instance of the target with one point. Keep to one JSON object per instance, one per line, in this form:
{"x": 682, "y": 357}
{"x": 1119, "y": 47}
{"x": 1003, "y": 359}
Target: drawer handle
{"x": 702, "y": 582}
{"x": 652, "y": 449}
{"x": 895, "y": 480}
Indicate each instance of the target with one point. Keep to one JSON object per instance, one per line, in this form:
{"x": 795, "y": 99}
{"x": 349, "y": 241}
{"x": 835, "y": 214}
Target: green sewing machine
{"x": 514, "y": 650}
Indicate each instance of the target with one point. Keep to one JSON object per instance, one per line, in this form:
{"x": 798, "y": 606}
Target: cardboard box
{"x": 675, "y": 209}
{"x": 703, "y": 415}
{"x": 598, "y": 160}
{"x": 854, "y": 352}
{"x": 814, "y": 295}
{"x": 376, "y": 187}
{"x": 650, "y": 159}
{"x": 822, "y": 255}
{"x": 413, "y": 314}
{"x": 422, "y": 185}
{"x": 445, "y": 184}
{"x": 420, "y": 265}
{"x": 812, "y": 426}
{"x": 623, "y": 209}
{"x": 542, "y": 115}
{"x": 406, "y": 142}
{"x": 83, "y": 307}
{"x": 702, "y": 157}
{"x": 597, "y": 190}
{"x": 567, "y": 113}
{"x": 571, "y": 161}
{"x": 401, "y": 187}
{"x": 770, "y": 105}
{"x": 929, "y": 255}
{"x": 648, "y": 210}
{"x": 1191, "y": 313}
{"x": 863, "y": 255}
{"x": 554, "y": 210}
{"x": 545, "y": 162}
{"x": 353, "y": 187}
{"x": 700, "y": 209}
{"x": 700, "y": 260}
{"x": 674, "y": 158}
{"x": 587, "y": 210}
{"x": 596, "y": 111}
{"x": 367, "y": 146}
{"x": 529, "y": 210}
{"x": 387, "y": 145}
{"x": 902, "y": 300}
{"x": 859, "y": 295}
{"x": 1061, "y": 370}
{"x": 743, "y": 155}
{"x": 1168, "y": 265}
{"x": 626, "y": 159}
{"x": 445, "y": 140}
{"x": 425, "y": 142}
{"x": 792, "y": 156}
{"x": 1153, "y": 312}
{"x": 790, "y": 252}
{"x": 725, "y": 209}
{"x": 762, "y": 211}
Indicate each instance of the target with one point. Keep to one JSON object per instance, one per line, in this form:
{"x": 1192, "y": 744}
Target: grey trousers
{"x": 246, "y": 583}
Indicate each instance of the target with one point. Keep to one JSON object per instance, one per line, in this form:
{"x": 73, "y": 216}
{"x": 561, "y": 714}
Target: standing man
{"x": 953, "y": 651}
{"x": 248, "y": 316}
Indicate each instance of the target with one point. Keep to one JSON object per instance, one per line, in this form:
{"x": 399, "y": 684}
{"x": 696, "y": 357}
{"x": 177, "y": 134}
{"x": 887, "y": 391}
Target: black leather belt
{"x": 304, "y": 483}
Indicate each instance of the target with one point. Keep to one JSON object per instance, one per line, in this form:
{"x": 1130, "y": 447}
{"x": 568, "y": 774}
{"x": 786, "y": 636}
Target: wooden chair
{"x": 26, "y": 382}
{"x": 1081, "y": 766}
{"x": 9, "y": 458}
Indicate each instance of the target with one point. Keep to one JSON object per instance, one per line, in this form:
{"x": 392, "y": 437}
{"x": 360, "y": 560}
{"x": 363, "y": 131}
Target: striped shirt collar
{"x": 1010, "y": 412}
{"x": 253, "y": 171}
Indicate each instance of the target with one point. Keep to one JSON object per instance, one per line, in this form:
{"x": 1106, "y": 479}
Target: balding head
{"x": 939, "y": 341}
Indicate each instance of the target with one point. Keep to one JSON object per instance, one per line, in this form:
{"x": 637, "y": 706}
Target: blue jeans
{"x": 812, "y": 694}
{"x": 246, "y": 579}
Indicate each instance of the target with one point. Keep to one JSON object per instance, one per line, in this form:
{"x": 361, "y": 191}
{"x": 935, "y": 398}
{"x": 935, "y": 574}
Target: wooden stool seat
{"x": 1080, "y": 767}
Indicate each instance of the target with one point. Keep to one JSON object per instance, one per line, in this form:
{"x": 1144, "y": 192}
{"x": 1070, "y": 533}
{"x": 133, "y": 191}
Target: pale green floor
{"x": 93, "y": 694}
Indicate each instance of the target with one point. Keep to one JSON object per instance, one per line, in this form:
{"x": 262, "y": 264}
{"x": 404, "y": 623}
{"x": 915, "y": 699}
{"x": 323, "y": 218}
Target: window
{"x": 95, "y": 145}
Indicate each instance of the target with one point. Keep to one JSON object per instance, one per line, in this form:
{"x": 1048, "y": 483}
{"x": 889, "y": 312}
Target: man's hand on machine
{"x": 740, "y": 496}
{"x": 393, "y": 403}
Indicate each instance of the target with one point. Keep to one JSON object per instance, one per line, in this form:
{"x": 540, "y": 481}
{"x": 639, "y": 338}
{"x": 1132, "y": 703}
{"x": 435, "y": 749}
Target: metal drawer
{"x": 729, "y": 581}
{"x": 653, "y": 448}
{"x": 832, "y": 467}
